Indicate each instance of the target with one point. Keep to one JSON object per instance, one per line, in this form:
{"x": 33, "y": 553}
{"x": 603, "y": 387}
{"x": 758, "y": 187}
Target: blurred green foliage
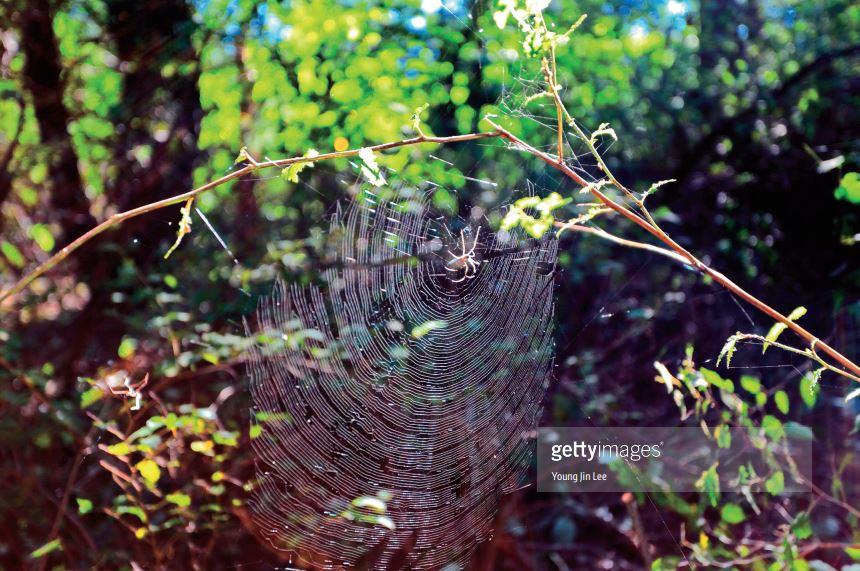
{"x": 752, "y": 108}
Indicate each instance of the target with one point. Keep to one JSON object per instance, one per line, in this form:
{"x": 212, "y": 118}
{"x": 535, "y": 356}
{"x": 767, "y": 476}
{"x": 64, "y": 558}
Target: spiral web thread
{"x": 394, "y": 403}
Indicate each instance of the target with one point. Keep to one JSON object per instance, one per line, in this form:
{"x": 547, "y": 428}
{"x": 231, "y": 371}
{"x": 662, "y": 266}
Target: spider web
{"x": 395, "y": 399}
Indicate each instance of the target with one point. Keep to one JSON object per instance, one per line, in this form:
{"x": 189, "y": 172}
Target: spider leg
{"x": 451, "y": 269}
{"x": 460, "y": 280}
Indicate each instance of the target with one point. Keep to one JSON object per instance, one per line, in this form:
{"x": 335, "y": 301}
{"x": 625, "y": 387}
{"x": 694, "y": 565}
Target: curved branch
{"x": 121, "y": 217}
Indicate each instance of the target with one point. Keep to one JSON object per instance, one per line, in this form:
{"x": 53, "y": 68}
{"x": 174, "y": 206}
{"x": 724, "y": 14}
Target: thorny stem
{"x": 647, "y": 223}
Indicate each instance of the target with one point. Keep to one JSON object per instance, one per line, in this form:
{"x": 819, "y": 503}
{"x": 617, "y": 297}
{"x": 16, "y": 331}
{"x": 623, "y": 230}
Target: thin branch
{"x": 601, "y": 233}
{"x": 689, "y": 258}
{"x": 648, "y": 224}
{"x": 121, "y": 217}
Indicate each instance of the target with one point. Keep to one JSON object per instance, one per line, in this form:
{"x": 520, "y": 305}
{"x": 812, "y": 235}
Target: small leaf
{"x": 91, "y": 396}
{"x": 49, "y": 547}
{"x": 709, "y": 483}
{"x": 291, "y": 173}
{"x": 714, "y": 378}
{"x": 149, "y": 470}
{"x": 416, "y": 118}
{"x": 370, "y": 168}
{"x": 126, "y": 347}
{"x": 775, "y": 484}
{"x": 732, "y": 513}
{"x": 809, "y": 387}
{"x": 119, "y": 449}
{"x": 12, "y": 253}
{"x": 728, "y": 350}
{"x": 184, "y": 226}
{"x": 603, "y": 129}
{"x": 85, "y": 506}
{"x": 802, "y": 527}
{"x": 428, "y": 326}
{"x": 41, "y": 234}
{"x": 797, "y": 313}
{"x": 773, "y": 335}
{"x": 751, "y": 384}
{"x": 781, "y": 401}
{"x": 242, "y": 156}
{"x": 655, "y": 187}
{"x": 371, "y": 503}
{"x": 849, "y": 188}
{"x": 772, "y": 427}
{"x": 180, "y": 499}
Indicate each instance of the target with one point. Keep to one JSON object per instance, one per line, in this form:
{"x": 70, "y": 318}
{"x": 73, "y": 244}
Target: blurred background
{"x": 753, "y": 106}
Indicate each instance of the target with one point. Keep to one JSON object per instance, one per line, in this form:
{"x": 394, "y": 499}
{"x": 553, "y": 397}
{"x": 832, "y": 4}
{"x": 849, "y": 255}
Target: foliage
{"x": 750, "y": 110}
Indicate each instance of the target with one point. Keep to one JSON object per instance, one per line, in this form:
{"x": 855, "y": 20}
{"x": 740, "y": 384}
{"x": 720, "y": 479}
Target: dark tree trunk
{"x": 43, "y": 79}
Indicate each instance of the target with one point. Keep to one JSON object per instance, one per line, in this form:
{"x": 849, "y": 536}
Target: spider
{"x": 131, "y": 391}
{"x": 465, "y": 261}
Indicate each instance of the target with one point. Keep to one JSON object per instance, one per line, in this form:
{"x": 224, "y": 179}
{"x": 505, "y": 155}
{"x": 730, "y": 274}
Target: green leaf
{"x": 779, "y": 327}
{"x": 714, "y": 378}
{"x": 119, "y": 449}
{"x": 781, "y": 401}
{"x": 728, "y": 351}
{"x": 91, "y": 396}
{"x": 772, "y": 335}
{"x": 149, "y": 470}
{"x": 126, "y": 347}
{"x": 775, "y": 484}
{"x": 41, "y": 234}
{"x": 242, "y": 156}
{"x": 416, "y": 118}
{"x": 802, "y": 526}
{"x": 809, "y": 387}
{"x": 85, "y": 506}
{"x": 655, "y": 187}
{"x": 603, "y": 130}
{"x": 180, "y": 499}
{"x": 772, "y": 427}
{"x": 849, "y": 188}
{"x": 797, "y": 313}
{"x": 732, "y": 513}
{"x": 184, "y": 226}
{"x": 12, "y": 253}
{"x": 291, "y": 173}
{"x": 421, "y": 330}
{"x": 709, "y": 483}
{"x": 49, "y": 547}
{"x": 751, "y": 384}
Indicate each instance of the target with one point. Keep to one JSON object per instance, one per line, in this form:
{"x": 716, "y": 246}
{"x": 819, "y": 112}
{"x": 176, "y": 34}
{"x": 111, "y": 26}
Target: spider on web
{"x": 465, "y": 262}
{"x": 131, "y": 391}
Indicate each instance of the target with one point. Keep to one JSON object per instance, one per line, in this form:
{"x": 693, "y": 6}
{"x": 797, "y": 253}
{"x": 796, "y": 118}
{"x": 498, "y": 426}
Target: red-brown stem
{"x": 718, "y": 277}
{"x": 654, "y": 230}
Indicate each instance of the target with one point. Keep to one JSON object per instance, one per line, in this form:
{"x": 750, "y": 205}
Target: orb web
{"x": 394, "y": 400}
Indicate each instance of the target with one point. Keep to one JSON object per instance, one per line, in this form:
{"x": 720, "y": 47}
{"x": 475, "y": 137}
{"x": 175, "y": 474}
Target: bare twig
{"x": 121, "y": 217}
